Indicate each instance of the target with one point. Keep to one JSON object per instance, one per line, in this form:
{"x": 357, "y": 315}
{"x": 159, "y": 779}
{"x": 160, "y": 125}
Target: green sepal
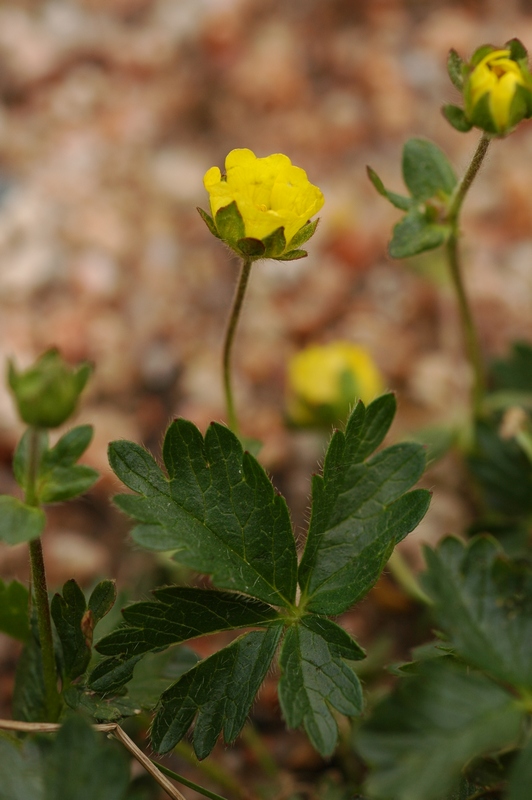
{"x": 19, "y": 522}
{"x": 274, "y": 244}
{"x": 480, "y": 115}
{"x": 414, "y": 234}
{"x": 292, "y": 255}
{"x": 315, "y": 679}
{"x": 456, "y": 117}
{"x": 209, "y": 222}
{"x": 480, "y": 53}
{"x": 219, "y": 690}
{"x": 518, "y": 51}
{"x": 14, "y": 604}
{"x": 455, "y": 68}
{"x": 74, "y": 628}
{"x": 426, "y": 170}
{"x": 229, "y": 224}
{"x": 250, "y": 248}
{"x": 303, "y": 235}
{"x": 483, "y": 602}
{"x": 397, "y": 200}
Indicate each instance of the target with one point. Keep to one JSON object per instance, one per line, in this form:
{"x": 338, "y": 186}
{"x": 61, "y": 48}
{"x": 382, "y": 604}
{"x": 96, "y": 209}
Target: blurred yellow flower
{"x": 269, "y": 194}
{"x": 498, "y": 76}
{"x": 324, "y": 382}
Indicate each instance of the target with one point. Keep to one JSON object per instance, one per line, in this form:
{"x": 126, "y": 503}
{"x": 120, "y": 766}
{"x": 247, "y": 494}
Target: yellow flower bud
{"x": 325, "y": 381}
{"x": 498, "y": 89}
{"x": 269, "y": 194}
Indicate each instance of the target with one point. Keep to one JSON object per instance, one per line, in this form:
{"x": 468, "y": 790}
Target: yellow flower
{"x": 498, "y": 76}
{"x": 258, "y": 198}
{"x": 325, "y": 381}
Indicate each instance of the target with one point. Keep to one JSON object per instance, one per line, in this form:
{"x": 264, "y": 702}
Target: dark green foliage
{"x": 29, "y": 703}
{"x": 74, "y": 628}
{"x": 503, "y": 471}
{"x": 419, "y": 739}
{"x": 102, "y": 600}
{"x": 219, "y": 690}
{"x": 416, "y": 233}
{"x": 483, "y": 602}
{"x": 218, "y": 511}
{"x": 515, "y": 371}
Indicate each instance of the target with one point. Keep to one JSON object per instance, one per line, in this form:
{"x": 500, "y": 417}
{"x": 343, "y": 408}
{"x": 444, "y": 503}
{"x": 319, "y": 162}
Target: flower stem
{"x": 472, "y": 343}
{"x": 40, "y": 589}
{"x": 229, "y": 337}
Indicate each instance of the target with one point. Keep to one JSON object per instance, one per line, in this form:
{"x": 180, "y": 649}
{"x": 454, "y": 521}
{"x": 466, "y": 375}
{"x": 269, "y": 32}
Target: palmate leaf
{"x": 217, "y": 509}
{"x": 359, "y": 510}
{"x": 419, "y": 739}
{"x": 483, "y": 602}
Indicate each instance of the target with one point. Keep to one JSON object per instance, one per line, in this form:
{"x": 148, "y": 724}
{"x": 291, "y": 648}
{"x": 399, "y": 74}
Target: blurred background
{"x": 111, "y": 111}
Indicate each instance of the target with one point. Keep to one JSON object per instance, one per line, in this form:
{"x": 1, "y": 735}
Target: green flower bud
{"x": 261, "y": 207}
{"x": 47, "y": 393}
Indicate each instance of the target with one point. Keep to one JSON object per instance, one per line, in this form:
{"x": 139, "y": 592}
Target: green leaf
{"x": 315, "y": 679}
{"x": 74, "y": 627}
{"x": 84, "y": 765}
{"x": 426, "y": 170}
{"x": 517, "y": 50}
{"x": 69, "y": 448}
{"x": 483, "y": 602}
{"x": 521, "y": 775}
{"x": 359, "y": 510}
{"x": 219, "y": 690}
{"x": 209, "y": 222}
{"x": 21, "y": 771}
{"x": 303, "y": 235}
{"x": 102, "y": 600}
{"x": 156, "y": 672}
{"x": 64, "y": 483}
{"x": 456, "y": 117}
{"x": 229, "y": 223}
{"x": 397, "y": 200}
{"x": 419, "y": 739}
{"x": 337, "y": 638}
{"x": 111, "y": 674}
{"x": 14, "y": 604}
{"x": 19, "y": 522}
{"x": 515, "y": 371}
{"x": 455, "y": 67}
{"x": 503, "y": 471}
{"x": 218, "y": 510}
{"x": 99, "y": 709}
{"x": 414, "y": 234}
{"x": 179, "y": 613}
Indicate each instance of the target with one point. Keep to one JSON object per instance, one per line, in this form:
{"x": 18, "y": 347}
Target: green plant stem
{"x": 40, "y": 588}
{"x": 472, "y": 344}
{"x": 213, "y": 771}
{"x": 229, "y": 337}
{"x": 190, "y": 784}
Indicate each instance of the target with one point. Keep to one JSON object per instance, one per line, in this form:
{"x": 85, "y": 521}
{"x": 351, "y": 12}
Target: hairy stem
{"x": 228, "y": 343}
{"x": 40, "y": 588}
{"x": 472, "y": 343}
